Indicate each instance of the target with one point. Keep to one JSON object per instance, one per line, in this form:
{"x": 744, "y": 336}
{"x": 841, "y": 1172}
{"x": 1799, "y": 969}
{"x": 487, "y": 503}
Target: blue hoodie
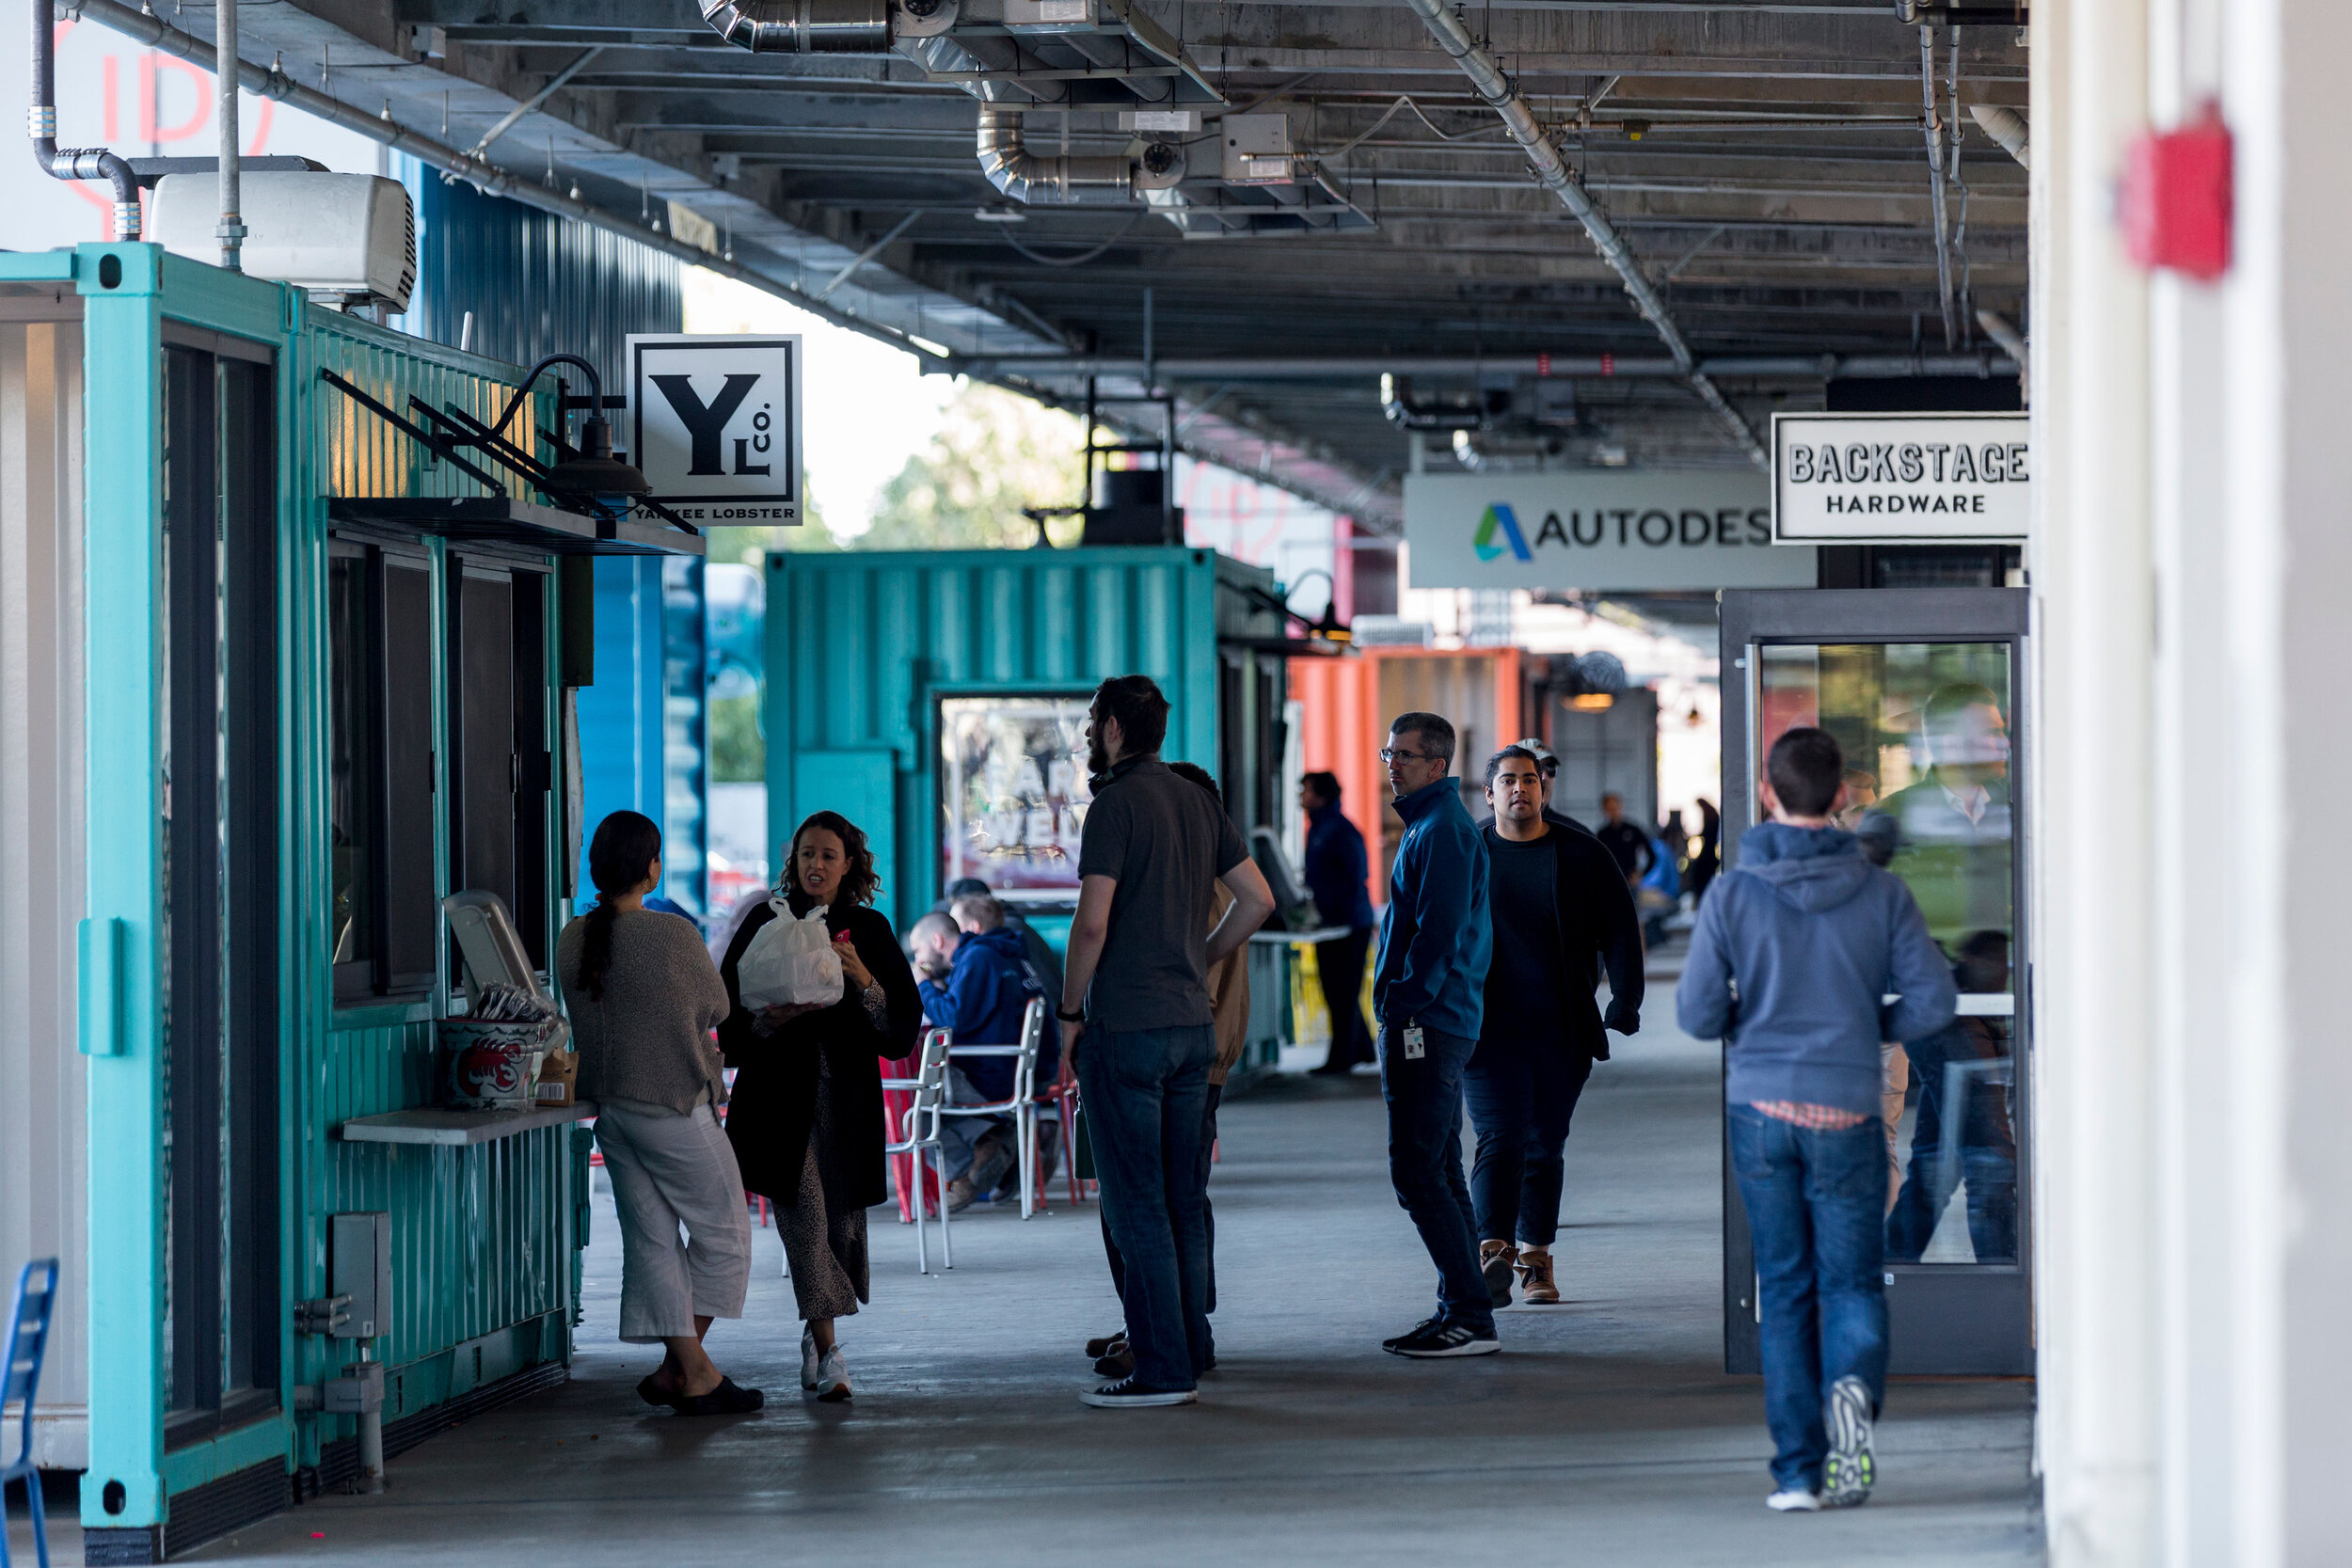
{"x": 1436, "y": 940}
{"x": 1795, "y": 949}
{"x": 988, "y": 988}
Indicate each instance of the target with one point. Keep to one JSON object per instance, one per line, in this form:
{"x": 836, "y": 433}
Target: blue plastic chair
{"x": 29, "y": 1337}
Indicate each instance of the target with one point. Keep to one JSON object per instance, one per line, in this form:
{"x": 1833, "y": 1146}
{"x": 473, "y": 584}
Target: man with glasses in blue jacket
{"x": 1428, "y": 992}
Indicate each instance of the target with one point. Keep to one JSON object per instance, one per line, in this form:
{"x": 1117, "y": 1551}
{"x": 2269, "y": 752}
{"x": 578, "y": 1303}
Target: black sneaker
{"x": 1117, "y": 1362}
{"x": 1437, "y": 1338}
{"x": 1127, "y": 1394}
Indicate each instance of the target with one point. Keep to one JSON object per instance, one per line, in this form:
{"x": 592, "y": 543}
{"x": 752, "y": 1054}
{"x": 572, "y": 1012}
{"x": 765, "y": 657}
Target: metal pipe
{"x": 2004, "y": 332}
{"x": 279, "y": 87}
{"x": 2006, "y": 126}
{"x": 507, "y": 123}
{"x": 1799, "y": 367}
{"x": 802, "y": 26}
{"x": 73, "y": 163}
{"x": 1553, "y": 172}
{"x": 232, "y": 230}
{"x": 1013, "y": 168}
{"x": 1936, "y": 185}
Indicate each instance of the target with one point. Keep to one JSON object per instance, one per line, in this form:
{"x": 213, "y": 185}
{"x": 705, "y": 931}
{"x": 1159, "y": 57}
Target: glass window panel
{"x": 1013, "y": 792}
{"x": 350, "y": 769}
{"x": 1925, "y": 727}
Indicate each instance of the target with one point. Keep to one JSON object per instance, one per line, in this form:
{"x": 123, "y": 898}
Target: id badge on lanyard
{"x": 1413, "y": 1047}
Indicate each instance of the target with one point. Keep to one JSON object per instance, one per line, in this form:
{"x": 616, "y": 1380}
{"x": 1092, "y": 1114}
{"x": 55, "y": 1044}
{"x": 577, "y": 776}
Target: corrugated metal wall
{"x": 43, "y": 1132}
{"x": 861, "y": 646}
{"x": 482, "y": 1236}
{"x": 536, "y": 285}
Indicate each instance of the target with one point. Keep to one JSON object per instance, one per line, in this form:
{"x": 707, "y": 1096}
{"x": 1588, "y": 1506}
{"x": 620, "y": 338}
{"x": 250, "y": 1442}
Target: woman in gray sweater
{"x": 643, "y": 997}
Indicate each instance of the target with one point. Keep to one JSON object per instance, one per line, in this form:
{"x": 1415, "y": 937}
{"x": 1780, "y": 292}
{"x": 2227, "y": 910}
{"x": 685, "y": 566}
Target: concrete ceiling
{"x": 1765, "y": 162}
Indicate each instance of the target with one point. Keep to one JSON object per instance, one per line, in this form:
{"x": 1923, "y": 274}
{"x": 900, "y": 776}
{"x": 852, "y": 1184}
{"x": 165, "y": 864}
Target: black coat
{"x": 1598, "y": 929}
{"x": 774, "y": 1101}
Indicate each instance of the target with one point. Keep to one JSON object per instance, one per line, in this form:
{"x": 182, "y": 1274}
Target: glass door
{"x": 1921, "y": 688}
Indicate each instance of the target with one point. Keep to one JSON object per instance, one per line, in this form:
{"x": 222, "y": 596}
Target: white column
{"x": 2091, "y": 578}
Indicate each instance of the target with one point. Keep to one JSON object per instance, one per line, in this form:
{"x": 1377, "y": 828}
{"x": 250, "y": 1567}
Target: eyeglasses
{"x": 1389, "y": 753}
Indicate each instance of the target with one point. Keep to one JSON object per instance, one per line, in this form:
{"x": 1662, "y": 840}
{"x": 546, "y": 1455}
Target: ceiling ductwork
{"x": 1066, "y": 180}
{"x": 826, "y": 26}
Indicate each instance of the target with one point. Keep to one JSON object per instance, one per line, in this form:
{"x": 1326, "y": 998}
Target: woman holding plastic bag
{"x": 821, "y": 995}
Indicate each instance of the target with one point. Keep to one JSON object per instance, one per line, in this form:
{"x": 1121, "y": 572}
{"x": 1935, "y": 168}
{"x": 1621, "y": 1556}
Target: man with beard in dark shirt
{"x": 1623, "y": 839}
{"x": 1560, "y": 913}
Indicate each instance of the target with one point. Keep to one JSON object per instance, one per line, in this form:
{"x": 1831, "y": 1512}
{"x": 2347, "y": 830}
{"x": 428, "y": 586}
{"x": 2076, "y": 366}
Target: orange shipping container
{"x": 1346, "y": 705}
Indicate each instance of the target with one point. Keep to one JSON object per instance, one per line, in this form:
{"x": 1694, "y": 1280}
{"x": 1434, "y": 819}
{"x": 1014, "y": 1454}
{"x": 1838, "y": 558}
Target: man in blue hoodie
{"x": 1429, "y": 996}
{"x": 1796, "y": 949}
{"x": 986, "y": 988}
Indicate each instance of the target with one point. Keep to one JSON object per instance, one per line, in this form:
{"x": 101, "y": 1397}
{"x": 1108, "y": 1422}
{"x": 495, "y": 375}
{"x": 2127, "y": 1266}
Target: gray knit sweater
{"x": 648, "y": 1037}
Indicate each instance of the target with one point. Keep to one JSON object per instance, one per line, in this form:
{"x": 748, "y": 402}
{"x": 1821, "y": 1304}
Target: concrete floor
{"x": 1606, "y": 1430}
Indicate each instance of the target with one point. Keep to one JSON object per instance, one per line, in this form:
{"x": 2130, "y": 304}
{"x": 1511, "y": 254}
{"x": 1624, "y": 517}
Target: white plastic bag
{"x": 790, "y": 963}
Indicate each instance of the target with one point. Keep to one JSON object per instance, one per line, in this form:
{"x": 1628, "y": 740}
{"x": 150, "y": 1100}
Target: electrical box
{"x": 1180, "y": 122}
{"x": 1048, "y": 13}
{"x": 360, "y": 1265}
{"x": 1257, "y": 150}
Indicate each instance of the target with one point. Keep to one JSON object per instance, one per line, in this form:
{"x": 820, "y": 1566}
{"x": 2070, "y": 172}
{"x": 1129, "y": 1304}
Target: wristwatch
{"x": 1078, "y": 1017}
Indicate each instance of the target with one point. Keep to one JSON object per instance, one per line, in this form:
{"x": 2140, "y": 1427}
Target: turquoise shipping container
{"x": 239, "y": 1025}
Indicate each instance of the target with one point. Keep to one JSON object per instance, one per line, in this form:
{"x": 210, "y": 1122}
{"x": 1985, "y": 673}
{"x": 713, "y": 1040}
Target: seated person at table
{"x": 976, "y": 981}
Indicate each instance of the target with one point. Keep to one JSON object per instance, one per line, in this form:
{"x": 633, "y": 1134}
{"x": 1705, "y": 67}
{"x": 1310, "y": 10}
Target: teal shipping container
{"x": 938, "y": 699}
{"x": 326, "y": 679}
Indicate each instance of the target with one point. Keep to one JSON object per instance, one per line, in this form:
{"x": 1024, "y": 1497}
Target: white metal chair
{"x": 1022, "y": 1103}
{"x": 918, "y": 1134}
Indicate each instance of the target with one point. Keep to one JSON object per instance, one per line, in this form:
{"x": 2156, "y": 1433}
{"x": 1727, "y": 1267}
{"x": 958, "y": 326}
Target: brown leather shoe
{"x": 1536, "y": 1283}
{"x": 1494, "y": 1260}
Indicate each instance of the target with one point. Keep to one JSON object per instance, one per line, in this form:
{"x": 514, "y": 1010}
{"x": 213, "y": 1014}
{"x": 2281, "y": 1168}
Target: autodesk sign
{"x": 1620, "y": 531}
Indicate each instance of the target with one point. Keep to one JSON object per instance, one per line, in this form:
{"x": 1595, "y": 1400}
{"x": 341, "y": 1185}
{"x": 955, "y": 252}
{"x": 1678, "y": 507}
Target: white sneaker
{"x": 1794, "y": 1501}
{"x": 810, "y": 1367}
{"x": 1852, "y": 1470}
{"x": 833, "y": 1377}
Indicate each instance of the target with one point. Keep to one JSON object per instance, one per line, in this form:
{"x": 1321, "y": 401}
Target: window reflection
{"x": 1926, "y": 730}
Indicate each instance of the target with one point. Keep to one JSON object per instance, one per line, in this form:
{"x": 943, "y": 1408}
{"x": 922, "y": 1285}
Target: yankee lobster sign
{"x": 1893, "y": 479}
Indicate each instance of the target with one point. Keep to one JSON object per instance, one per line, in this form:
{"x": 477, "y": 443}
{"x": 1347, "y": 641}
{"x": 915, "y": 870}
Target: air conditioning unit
{"x": 349, "y": 238}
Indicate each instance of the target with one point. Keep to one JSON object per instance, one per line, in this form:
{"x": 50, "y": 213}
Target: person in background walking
{"x": 1429, "y": 993}
{"x": 1794, "y": 951}
{"x": 1707, "y": 859}
{"x": 1228, "y": 999}
{"x": 1624, "y": 840}
{"x": 1560, "y": 913}
{"x": 1336, "y": 876}
{"x": 1136, "y": 992}
{"x": 643, "y": 998}
{"x": 807, "y": 1118}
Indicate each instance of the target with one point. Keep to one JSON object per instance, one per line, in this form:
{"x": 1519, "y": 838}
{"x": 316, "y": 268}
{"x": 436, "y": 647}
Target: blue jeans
{"x": 1425, "y": 1101}
{"x": 1814, "y": 1202}
{"x": 1146, "y": 1094}
{"x": 1522, "y": 1094}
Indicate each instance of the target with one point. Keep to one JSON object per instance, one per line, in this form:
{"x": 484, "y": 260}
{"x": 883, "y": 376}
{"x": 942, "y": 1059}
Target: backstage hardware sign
{"x": 716, "y": 425}
{"x": 1623, "y": 531}
{"x": 1895, "y": 479}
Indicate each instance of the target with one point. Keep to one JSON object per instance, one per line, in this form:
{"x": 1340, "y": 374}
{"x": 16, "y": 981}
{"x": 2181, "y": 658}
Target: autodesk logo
{"x": 1499, "y": 519}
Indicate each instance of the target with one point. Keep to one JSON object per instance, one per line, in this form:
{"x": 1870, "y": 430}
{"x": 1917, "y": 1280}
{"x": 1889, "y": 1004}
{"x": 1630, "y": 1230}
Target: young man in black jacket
{"x": 1561, "y": 912}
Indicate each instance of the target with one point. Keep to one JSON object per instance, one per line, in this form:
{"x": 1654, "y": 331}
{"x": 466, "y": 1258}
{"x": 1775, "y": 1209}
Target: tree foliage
{"x": 994, "y": 454}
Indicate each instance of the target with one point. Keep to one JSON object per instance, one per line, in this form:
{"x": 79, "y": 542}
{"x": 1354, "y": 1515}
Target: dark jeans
{"x": 1208, "y": 1214}
{"x": 1425, "y": 1101}
{"x": 1146, "y": 1098}
{"x": 1521, "y": 1095}
{"x": 1988, "y": 1152}
{"x": 1340, "y": 966}
{"x": 1814, "y": 1201}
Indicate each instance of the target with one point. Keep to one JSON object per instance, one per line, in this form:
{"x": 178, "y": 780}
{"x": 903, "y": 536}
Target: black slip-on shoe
{"x": 726, "y": 1399}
